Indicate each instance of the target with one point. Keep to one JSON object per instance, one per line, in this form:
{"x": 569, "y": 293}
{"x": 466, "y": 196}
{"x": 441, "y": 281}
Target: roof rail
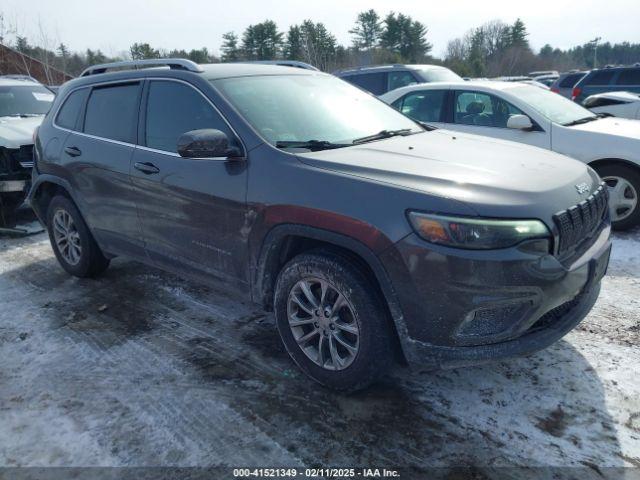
{"x": 172, "y": 63}
{"x": 283, "y": 63}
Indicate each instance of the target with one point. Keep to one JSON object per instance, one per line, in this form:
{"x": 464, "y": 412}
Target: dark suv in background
{"x": 610, "y": 79}
{"x": 384, "y": 78}
{"x": 371, "y": 237}
{"x": 565, "y": 82}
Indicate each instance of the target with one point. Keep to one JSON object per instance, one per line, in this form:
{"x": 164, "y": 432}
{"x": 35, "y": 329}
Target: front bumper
{"x": 462, "y": 307}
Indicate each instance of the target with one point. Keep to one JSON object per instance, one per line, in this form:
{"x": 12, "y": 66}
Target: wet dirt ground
{"x": 142, "y": 368}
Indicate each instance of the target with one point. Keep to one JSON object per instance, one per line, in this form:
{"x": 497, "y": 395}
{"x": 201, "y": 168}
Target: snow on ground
{"x": 142, "y": 368}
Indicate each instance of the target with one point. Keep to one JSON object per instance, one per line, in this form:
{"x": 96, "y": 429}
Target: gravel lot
{"x": 142, "y": 368}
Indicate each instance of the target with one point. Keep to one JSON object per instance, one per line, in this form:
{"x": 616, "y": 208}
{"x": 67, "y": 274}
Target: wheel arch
{"x": 601, "y": 162}
{"x": 43, "y": 190}
{"x": 283, "y": 242}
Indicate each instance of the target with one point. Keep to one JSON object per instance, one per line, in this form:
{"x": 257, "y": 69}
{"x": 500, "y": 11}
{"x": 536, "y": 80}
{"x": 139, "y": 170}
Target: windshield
{"x": 439, "y": 75}
{"x": 299, "y": 108}
{"x": 555, "y": 107}
{"x": 24, "y": 100}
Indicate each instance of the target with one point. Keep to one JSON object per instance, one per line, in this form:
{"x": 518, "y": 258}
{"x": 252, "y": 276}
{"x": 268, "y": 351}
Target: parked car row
{"x": 604, "y": 80}
{"x": 527, "y": 115}
{"x": 23, "y": 104}
{"x": 547, "y": 77}
{"x": 374, "y": 238}
{"x": 382, "y": 79}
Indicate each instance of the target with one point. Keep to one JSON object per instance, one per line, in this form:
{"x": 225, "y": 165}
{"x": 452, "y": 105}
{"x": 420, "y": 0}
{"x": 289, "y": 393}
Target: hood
{"x": 493, "y": 177}
{"x": 16, "y": 131}
{"x": 619, "y": 127}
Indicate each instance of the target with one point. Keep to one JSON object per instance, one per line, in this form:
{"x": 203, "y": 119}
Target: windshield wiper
{"x": 427, "y": 126}
{"x": 384, "y": 134}
{"x": 312, "y": 145}
{"x": 581, "y": 121}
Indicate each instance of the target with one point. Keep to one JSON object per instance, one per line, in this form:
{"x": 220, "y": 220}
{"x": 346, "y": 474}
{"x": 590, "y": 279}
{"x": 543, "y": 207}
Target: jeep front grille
{"x": 580, "y": 222}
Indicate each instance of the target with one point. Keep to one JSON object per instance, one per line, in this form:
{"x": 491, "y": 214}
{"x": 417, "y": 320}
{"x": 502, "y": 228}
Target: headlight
{"x": 475, "y": 233}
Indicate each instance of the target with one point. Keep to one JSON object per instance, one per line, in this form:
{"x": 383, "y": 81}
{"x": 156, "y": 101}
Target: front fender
{"x": 263, "y": 277}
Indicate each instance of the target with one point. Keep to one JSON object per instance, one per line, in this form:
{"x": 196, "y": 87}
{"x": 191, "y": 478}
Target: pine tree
{"x": 142, "y": 51}
{"x": 229, "y": 48}
{"x": 199, "y": 56}
{"x": 262, "y": 41}
{"x": 367, "y": 31}
{"x": 405, "y": 37}
{"x": 518, "y": 35}
{"x": 95, "y": 57}
{"x": 294, "y": 44}
{"x": 63, "y": 54}
{"x": 22, "y": 45}
{"x": 318, "y": 44}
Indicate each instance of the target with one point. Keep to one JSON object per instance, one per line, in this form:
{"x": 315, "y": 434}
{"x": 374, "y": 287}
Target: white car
{"x": 546, "y": 80}
{"x": 618, "y": 104}
{"x": 526, "y": 114}
{"x": 23, "y": 104}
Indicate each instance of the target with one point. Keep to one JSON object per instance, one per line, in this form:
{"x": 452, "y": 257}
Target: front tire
{"x": 623, "y": 183}
{"x": 332, "y": 321}
{"x": 72, "y": 242}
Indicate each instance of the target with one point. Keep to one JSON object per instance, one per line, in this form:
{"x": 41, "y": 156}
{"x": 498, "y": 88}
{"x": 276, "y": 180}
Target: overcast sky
{"x": 113, "y": 25}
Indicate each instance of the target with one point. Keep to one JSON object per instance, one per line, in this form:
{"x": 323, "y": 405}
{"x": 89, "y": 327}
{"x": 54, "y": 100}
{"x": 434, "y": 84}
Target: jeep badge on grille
{"x": 582, "y": 188}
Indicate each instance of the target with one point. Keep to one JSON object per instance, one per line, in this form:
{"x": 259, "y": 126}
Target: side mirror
{"x": 519, "y": 122}
{"x": 205, "y": 143}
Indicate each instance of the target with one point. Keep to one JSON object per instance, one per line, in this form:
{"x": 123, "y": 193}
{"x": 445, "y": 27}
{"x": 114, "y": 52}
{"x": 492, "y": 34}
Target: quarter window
{"x": 400, "y": 79}
{"x": 483, "y": 110}
{"x": 68, "y": 114}
{"x": 375, "y": 83}
{"x": 175, "y": 108}
{"x": 630, "y": 76}
{"x": 602, "y": 77}
{"x": 424, "y": 106}
{"x": 112, "y": 112}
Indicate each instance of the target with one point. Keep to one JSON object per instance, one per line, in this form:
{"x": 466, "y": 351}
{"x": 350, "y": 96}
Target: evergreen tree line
{"x": 493, "y": 49}
{"x": 499, "y": 49}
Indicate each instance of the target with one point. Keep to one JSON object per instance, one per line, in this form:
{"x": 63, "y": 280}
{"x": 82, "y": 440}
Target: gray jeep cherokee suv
{"x": 372, "y": 238}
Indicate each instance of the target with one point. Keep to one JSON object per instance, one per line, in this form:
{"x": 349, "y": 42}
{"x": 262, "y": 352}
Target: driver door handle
{"x": 72, "y": 151}
{"x": 147, "y": 168}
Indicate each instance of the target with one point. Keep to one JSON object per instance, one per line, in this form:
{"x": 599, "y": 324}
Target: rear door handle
{"x": 72, "y": 151}
{"x": 146, "y": 167}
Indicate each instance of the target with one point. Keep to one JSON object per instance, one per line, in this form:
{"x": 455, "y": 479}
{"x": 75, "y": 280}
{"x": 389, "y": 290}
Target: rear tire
{"x": 624, "y": 192}
{"x": 72, "y": 242}
{"x": 342, "y": 343}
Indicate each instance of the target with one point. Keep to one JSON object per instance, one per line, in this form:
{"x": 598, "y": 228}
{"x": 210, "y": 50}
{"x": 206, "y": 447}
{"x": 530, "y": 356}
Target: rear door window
{"x": 70, "y": 110}
{"x": 112, "y": 112}
{"x": 630, "y": 76}
{"x": 424, "y": 106}
{"x": 602, "y": 77}
{"x": 175, "y": 108}
{"x": 375, "y": 83}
